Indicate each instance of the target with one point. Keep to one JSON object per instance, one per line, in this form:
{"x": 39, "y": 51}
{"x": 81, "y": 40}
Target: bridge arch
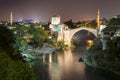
{"x": 68, "y": 34}
{"x": 73, "y": 31}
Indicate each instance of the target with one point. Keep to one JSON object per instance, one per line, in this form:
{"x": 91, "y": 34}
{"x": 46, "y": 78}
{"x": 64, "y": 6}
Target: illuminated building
{"x": 57, "y": 28}
{"x": 56, "y": 20}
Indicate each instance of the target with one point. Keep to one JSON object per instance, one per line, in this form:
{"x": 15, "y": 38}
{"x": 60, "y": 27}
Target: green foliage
{"x": 114, "y": 22}
{"x": 113, "y": 50}
{"x": 59, "y": 44}
{"x": 70, "y": 24}
{"x": 36, "y": 36}
{"x": 6, "y": 42}
{"x": 23, "y": 43}
{"x": 14, "y": 70}
{"x": 9, "y": 68}
{"x": 108, "y": 59}
{"x": 90, "y": 24}
{"x": 39, "y": 36}
{"x": 94, "y": 54}
{"x": 20, "y": 42}
{"x": 6, "y": 39}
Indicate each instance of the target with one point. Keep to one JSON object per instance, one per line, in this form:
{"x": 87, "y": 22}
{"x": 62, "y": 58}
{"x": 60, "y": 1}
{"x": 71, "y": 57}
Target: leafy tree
{"x": 58, "y": 44}
{"x": 90, "y": 24}
{"x": 10, "y": 67}
{"x": 20, "y": 33}
{"x": 93, "y": 24}
{"x": 114, "y": 22}
{"x": 6, "y": 39}
{"x": 6, "y": 42}
{"x": 80, "y": 23}
{"x": 104, "y": 21}
{"x": 36, "y": 36}
{"x": 39, "y": 36}
{"x": 14, "y": 70}
{"x": 70, "y": 24}
{"x": 107, "y": 59}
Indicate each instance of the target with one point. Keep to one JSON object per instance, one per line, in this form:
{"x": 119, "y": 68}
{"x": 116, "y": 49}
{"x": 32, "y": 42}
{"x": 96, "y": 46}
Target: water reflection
{"x": 98, "y": 74}
{"x": 43, "y": 57}
{"x": 56, "y": 68}
{"x": 65, "y": 66}
{"x": 50, "y": 58}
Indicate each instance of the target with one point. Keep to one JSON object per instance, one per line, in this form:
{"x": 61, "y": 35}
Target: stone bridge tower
{"x": 57, "y": 28}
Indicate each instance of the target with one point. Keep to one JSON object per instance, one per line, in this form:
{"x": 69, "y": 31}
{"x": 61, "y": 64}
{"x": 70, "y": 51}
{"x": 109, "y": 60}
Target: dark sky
{"x": 42, "y": 10}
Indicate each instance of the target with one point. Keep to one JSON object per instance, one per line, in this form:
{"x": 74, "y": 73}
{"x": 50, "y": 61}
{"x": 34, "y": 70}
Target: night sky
{"x": 42, "y": 10}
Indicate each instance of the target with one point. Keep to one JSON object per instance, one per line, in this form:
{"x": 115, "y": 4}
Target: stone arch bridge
{"x": 68, "y": 34}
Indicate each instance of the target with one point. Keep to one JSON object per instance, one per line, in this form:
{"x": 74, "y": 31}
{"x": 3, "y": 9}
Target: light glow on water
{"x": 64, "y": 68}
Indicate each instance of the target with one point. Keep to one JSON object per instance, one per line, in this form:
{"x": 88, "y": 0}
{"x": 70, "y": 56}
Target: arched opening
{"x": 79, "y": 39}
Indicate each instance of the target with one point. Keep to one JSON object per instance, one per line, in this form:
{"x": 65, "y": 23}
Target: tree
{"x": 80, "y": 23}
{"x": 90, "y": 24}
{"x": 11, "y": 68}
{"x": 114, "y": 22}
{"x": 6, "y": 38}
{"x": 21, "y": 32}
{"x": 14, "y": 70}
{"x": 93, "y": 24}
{"x": 70, "y": 24}
{"x": 29, "y": 35}
{"x": 6, "y": 42}
{"x": 39, "y": 36}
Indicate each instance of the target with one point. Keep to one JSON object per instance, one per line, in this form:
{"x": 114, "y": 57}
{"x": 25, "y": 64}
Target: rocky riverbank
{"x": 31, "y": 53}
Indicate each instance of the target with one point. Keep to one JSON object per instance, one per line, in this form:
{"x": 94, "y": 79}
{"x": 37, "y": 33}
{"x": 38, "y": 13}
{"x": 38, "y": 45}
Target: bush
{"x": 14, "y": 70}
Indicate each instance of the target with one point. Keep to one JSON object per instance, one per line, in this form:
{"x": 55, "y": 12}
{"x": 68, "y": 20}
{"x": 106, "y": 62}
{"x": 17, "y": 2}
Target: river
{"x": 66, "y": 66}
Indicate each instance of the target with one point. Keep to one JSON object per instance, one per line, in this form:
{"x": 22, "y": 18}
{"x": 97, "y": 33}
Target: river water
{"x": 66, "y": 66}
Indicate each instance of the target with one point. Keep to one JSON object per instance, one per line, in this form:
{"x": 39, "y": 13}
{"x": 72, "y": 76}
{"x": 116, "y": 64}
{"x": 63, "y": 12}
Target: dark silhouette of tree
{"x": 79, "y": 24}
{"x": 7, "y": 41}
{"x": 88, "y": 23}
{"x": 93, "y": 23}
{"x": 104, "y": 21}
{"x": 39, "y": 36}
{"x": 70, "y": 24}
{"x": 14, "y": 70}
{"x": 114, "y": 22}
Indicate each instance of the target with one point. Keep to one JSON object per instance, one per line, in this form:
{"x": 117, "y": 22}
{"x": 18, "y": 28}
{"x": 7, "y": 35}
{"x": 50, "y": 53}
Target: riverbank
{"x": 115, "y": 73}
{"x": 108, "y": 59}
{"x": 30, "y": 54}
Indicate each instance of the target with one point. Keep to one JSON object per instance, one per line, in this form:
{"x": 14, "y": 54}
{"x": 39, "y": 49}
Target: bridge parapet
{"x": 68, "y": 34}
{"x": 73, "y": 31}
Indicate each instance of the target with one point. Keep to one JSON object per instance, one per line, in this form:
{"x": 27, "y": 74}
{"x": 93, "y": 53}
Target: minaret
{"x": 11, "y": 18}
{"x": 98, "y": 20}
